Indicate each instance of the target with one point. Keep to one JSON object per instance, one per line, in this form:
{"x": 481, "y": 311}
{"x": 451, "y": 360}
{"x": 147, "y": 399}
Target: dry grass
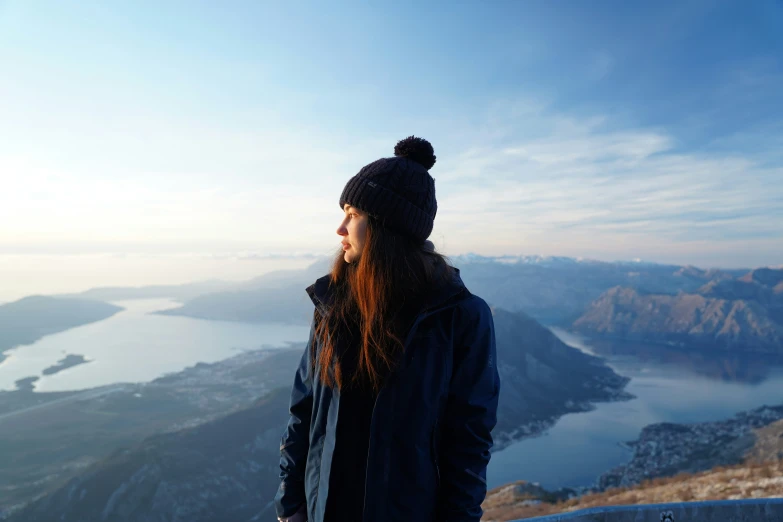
{"x": 769, "y": 443}
{"x": 760, "y": 479}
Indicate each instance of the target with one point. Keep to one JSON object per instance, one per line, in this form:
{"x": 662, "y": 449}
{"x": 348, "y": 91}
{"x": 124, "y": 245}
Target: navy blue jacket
{"x": 431, "y": 427}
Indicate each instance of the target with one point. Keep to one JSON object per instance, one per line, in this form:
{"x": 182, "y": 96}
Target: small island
{"x": 27, "y": 384}
{"x": 69, "y": 361}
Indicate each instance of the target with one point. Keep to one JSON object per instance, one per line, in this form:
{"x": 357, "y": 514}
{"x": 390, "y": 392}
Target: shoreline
{"x": 737, "y": 457}
{"x": 541, "y": 427}
{"x": 666, "y": 449}
{"x": 683, "y": 343}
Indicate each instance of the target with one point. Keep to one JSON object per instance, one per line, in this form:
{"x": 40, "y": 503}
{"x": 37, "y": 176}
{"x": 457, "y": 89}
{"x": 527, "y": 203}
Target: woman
{"x": 396, "y": 394}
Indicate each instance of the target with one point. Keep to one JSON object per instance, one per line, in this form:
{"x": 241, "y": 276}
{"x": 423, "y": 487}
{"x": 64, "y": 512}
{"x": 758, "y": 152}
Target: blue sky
{"x": 611, "y": 130}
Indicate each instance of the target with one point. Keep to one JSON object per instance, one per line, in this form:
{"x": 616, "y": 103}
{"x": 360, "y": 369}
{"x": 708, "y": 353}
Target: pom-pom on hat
{"x": 399, "y": 191}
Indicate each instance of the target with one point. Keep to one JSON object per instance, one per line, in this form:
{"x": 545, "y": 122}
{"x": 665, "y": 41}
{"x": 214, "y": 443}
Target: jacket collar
{"x": 322, "y": 295}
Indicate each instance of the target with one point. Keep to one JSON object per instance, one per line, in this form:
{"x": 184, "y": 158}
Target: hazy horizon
{"x": 23, "y": 275}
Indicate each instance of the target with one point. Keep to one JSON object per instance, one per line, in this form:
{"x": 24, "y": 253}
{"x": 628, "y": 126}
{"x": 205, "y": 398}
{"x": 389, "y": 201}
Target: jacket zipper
{"x": 435, "y": 453}
{"x": 423, "y": 315}
{"x": 372, "y": 422}
{"x": 367, "y": 464}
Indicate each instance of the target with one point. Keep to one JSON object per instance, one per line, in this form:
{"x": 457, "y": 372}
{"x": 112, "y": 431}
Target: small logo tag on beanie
{"x": 372, "y": 184}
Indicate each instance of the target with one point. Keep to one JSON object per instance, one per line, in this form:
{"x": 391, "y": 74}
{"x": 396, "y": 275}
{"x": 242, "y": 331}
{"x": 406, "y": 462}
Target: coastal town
{"x": 665, "y": 449}
{"x": 740, "y": 457}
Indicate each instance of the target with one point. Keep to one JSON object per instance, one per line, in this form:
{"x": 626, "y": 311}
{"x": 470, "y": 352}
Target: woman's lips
{"x": 346, "y": 246}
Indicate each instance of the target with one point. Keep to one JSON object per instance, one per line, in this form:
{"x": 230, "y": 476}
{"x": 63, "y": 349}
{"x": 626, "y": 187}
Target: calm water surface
{"x": 136, "y": 346}
{"x": 669, "y": 387}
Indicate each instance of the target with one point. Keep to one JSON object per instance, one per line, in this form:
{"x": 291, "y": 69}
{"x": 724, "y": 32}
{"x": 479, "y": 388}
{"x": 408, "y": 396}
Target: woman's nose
{"x": 341, "y": 230}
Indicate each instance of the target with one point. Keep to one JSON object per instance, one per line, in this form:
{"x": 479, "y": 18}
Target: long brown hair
{"x": 374, "y": 295}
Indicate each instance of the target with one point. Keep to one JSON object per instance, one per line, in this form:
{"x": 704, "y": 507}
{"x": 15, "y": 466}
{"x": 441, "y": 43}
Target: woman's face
{"x": 353, "y": 230}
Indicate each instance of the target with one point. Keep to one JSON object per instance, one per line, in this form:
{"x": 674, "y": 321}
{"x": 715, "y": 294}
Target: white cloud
{"x": 629, "y": 187}
{"x": 526, "y": 180}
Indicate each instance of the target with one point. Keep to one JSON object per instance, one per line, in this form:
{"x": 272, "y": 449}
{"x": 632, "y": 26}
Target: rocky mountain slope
{"x": 731, "y": 314}
{"x": 543, "y": 378}
{"x": 47, "y": 438}
{"x": 223, "y": 470}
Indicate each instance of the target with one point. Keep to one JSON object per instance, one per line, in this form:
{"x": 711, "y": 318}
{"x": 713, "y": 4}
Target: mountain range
{"x": 727, "y": 313}
{"x": 217, "y": 457}
{"x": 553, "y": 290}
{"x": 683, "y": 306}
{"x": 181, "y": 292}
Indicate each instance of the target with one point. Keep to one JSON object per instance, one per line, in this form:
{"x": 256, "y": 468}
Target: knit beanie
{"x": 399, "y": 191}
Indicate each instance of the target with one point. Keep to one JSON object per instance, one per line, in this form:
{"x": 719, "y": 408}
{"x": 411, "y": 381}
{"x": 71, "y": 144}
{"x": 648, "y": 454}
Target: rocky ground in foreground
{"x": 759, "y": 476}
{"x": 751, "y": 480}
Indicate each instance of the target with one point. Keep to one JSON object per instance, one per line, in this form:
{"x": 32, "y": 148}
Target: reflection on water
{"x": 718, "y": 365}
{"x": 670, "y": 385}
{"x": 136, "y": 345}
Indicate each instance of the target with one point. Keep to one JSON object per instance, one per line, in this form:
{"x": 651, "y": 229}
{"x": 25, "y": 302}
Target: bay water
{"x": 136, "y": 345}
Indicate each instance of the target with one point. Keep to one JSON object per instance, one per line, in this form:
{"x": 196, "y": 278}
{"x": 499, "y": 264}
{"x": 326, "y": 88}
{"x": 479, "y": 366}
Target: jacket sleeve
{"x": 295, "y": 443}
{"x": 470, "y": 415}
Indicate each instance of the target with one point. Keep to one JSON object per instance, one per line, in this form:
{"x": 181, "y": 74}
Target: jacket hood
{"x": 322, "y": 294}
